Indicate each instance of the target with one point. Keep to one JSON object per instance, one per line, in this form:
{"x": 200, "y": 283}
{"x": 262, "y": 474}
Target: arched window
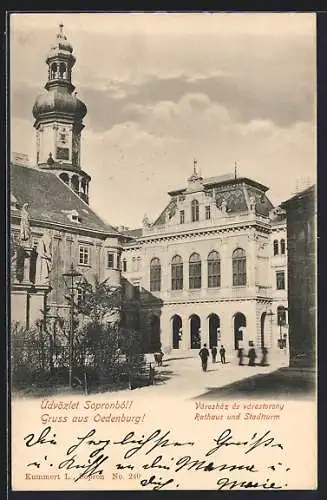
{"x": 281, "y": 315}
{"x": 195, "y": 271}
{"x": 282, "y": 247}
{"x": 275, "y": 247}
{"x": 195, "y": 210}
{"x": 155, "y": 275}
{"x": 213, "y": 269}
{"x": 53, "y": 70}
{"x": 75, "y": 183}
{"x": 239, "y": 267}
{"x": 62, "y": 70}
{"x": 177, "y": 273}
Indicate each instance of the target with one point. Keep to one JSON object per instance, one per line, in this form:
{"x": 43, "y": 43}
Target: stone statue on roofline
{"x": 25, "y": 228}
{"x": 146, "y": 221}
{"x": 252, "y": 203}
{"x": 223, "y": 206}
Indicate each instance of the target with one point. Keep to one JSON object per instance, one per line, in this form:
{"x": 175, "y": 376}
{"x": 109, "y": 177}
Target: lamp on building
{"x": 72, "y": 279}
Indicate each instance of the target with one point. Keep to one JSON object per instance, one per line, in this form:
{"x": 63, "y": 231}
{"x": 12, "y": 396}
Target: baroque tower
{"x": 59, "y": 117}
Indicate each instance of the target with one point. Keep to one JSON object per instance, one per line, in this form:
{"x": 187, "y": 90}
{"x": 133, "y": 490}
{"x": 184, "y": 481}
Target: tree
{"x": 99, "y": 302}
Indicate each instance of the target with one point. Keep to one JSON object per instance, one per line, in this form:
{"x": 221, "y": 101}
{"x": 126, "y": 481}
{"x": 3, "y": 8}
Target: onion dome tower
{"x": 59, "y": 117}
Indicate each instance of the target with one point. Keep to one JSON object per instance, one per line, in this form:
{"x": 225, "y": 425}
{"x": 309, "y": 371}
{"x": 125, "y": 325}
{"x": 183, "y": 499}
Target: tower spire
{"x": 59, "y": 117}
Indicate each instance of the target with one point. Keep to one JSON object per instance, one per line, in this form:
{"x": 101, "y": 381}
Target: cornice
{"x": 67, "y": 228}
{"x": 193, "y": 234}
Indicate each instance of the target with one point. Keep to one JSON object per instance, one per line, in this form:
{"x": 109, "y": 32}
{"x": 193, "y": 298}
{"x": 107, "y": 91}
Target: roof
{"x": 224, "y": 179}
{"x": 305, "y": 192}
{"x": 50, "y": 199}
{"x": 225, "y": 188}
{"x": 134, "y": 233}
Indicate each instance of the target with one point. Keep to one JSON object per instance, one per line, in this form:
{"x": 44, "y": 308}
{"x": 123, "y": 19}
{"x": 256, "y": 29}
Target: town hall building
{"x": 212, "y": 267}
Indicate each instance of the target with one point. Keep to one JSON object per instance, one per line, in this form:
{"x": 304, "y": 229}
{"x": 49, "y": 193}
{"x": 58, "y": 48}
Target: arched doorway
{"x": 214, "y": 325}
{"x": 239, "y": 324}
{"x": 155, "y": 343}
{"x": 262, "y": 328}
{"x": 176, "y": 327}
{"x": 195, "y": 325}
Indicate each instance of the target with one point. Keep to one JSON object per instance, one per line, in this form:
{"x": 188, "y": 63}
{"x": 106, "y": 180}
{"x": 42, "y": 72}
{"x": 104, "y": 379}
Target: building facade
{"x": 212, "y": 268}
{"x": 52, "y": 224}
{"x": 301, "y": 213}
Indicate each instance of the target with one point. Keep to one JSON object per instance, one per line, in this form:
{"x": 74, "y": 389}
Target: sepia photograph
{"x": 162, "y": 247}
{"x": 162, "y": 204}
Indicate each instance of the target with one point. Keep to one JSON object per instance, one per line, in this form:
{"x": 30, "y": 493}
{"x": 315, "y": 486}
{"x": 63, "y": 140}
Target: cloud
{"x": 146, "y": 158}
{"x": 161, "y": 91}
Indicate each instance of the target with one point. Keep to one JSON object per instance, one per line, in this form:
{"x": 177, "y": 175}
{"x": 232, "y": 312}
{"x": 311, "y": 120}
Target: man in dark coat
{"x": 252, "y": 354}
{"x": 240, "y": 355}
{"x": 222, "y": 352}
{"x": 204, "y": 355}
{"x": 214, "y": 353}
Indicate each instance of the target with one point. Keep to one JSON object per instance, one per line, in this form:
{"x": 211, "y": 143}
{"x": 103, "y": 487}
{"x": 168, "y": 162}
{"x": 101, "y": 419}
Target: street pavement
{"x": 184, "y": 378}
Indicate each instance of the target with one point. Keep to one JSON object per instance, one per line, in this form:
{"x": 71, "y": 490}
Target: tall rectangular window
{"x": 280, "y": 280}
{"x": 110, "y": 260}
{"x": 239, "y": 267}
{"x": 155, "y": 275}
{"x": 195, "y": 271}
{"x": 208, "y": 212}
{"x": 182, "y": 217}
{"x": 177, "y": 273}
{"x": 195, "y": 210}
{"x": 84, "y": 255}
{"x": 213, "y": 270}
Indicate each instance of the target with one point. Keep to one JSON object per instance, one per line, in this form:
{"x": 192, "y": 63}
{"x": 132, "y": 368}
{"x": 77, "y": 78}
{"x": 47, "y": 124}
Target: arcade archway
{"x": 195, "y": 331}
{"x": 176, "y": 329}
{"x": 239, "y": 325}
{"x": 214, "y": 326}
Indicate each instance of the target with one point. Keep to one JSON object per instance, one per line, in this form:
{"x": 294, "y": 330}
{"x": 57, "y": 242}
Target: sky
{"x": 165, "y": 89}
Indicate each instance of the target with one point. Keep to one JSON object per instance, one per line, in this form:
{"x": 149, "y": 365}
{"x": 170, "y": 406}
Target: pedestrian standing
{"x": 204, "y": 355}
{"x": 252, "y": 354}
{"x": 240, "y": 355}
{"x": 214, "y": 354}
{"x": 222, "y": 352}
{"x": 264, "y": 360}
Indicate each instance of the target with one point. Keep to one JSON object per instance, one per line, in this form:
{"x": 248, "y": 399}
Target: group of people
{"x": 204, "y": 355}
{"x": 252, "y": 355}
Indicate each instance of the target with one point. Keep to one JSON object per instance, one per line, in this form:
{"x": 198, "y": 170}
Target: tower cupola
{"x": 59, "y": 114}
